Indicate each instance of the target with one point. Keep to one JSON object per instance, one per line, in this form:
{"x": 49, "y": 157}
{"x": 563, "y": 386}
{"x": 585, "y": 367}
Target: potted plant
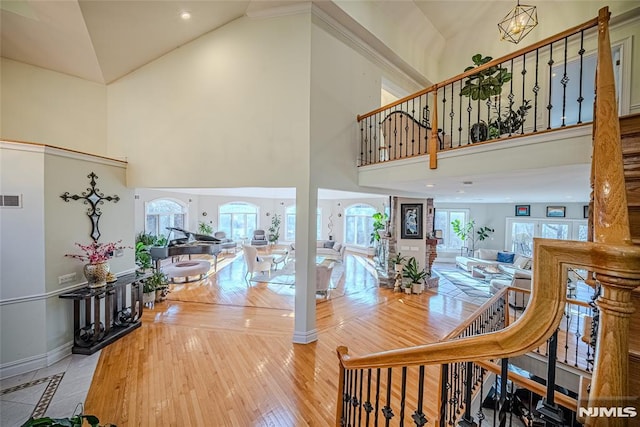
{"x": 274, "y": 230}
{"x": 481, "y": 86}
{"x": 159, "y": 248}
{"x": 508, "y": 122}
{"x": 415, "y": 275}
{"x": 97, "y": 256}
{"x": 160, "y": 283}
{"x": 397, "y": 261}
{"x": 379, "y": 223}
{"x": 204, "y": 228}
{"x": 76, "y": 420}
{"x": 143, "y": 256}
{"x": 148, "y": 292}
{"x": 483, "y": 233}
{"x": 463, "y": 231}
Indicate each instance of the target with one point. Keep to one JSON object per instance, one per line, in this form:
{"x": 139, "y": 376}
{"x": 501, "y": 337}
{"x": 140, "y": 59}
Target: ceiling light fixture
{"x": 185, "y": 15}
{"x": 518, "y": 23}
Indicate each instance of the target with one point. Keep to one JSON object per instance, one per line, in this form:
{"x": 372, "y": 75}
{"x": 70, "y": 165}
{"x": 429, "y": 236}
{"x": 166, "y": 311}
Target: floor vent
{"x": 11, "y": 201}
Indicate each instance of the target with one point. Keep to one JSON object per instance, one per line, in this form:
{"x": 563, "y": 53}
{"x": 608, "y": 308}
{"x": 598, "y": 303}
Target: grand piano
{"x": 190, "y": 244}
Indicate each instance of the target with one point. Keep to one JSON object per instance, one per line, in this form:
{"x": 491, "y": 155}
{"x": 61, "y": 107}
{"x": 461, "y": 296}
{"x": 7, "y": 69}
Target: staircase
{"x": 630, "y": 137}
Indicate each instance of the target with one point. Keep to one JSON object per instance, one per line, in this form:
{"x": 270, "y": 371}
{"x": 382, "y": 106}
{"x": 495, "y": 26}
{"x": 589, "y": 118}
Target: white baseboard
{"x": 34, "y": 363}
{"x": 305, "y": 337}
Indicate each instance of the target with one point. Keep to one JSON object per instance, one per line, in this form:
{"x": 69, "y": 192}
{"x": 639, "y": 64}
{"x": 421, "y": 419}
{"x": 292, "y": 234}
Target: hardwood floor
{"x": 219, "y": 353}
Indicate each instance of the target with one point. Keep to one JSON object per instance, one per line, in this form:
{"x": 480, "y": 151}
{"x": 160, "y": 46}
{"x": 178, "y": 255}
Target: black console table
{"x": 103, "y": 315}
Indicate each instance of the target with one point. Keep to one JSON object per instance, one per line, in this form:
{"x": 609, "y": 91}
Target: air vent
{"x": 11, "y": 201}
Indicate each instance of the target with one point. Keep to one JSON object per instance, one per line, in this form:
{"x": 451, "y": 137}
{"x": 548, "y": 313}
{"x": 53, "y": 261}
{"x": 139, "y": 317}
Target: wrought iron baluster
{"x": 511, "y": 97}
{"x": 459, "y": 117}
{"x": 549, "y": 105}
{"x": 413, "y": 128}
{"x": 547, "y": 409}
{"x": 367, "y": 405}
{"x": 564, "y": 81}
{"x": 522, "y": 111}
{"x": 346, "y": 396}
{"x": 403, "y": 394}
{"x": 375, "y": 416}
{"x": 480, "y": 413}
{"x": 578, "y": 334}
{"x": 444, "y": 390}
{"x": 358, "y": 401}
{"x": 580, "y": 97}
{"x": 467, "y": 419}
{"x": 567, "y": 315}
{"x": 406, "y": 135}
{"x": 469, "y": 110}
{"x": 363, "y": 142}
{"x": 426, "y": 120}
{"x": 419, "y": 419}
{"x": 386, "y": 410}
{"x": 536, "y": 89}
{"x": 373, "y": 142}
{"x": 451, "y": 114}
{"x": 348, "y": 400}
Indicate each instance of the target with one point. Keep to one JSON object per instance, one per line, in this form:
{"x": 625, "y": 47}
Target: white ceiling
{"x": 103, "y": 40}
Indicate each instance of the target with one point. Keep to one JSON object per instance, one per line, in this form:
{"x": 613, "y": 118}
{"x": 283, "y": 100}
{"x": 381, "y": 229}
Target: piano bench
{"x": 187, "y": 270}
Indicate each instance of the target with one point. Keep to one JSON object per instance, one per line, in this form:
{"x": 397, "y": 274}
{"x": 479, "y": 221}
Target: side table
{"x": 103, "y": 315}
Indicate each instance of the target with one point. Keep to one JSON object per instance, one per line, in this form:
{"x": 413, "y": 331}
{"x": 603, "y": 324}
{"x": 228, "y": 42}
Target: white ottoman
{"x": 189, "y": 271}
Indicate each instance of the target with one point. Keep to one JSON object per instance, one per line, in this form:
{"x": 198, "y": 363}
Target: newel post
{"x": 610, "y": 386}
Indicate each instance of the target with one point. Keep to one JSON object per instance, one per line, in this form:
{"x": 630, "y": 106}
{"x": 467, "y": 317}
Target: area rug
{"x": 467, "y": 284}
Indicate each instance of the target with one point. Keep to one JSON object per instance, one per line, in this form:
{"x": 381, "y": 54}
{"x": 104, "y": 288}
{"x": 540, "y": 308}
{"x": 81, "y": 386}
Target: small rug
{"x": 467, "y": 284}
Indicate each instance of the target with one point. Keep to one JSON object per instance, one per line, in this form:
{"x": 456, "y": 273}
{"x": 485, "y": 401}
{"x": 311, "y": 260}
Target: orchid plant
{"x": 95, "y": 252}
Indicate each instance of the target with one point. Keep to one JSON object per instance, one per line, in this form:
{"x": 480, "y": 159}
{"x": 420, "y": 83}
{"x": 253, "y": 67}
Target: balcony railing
{"x": 541, "y": 88}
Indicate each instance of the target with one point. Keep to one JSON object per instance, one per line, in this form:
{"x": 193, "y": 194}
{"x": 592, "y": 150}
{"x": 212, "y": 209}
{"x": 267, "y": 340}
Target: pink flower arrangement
{"x": 96, "y": 252}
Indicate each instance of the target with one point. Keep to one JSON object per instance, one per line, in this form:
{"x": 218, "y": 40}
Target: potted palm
{"x": 415, "y": 275}
{"x": 148, "y": 292}
{"x": 160, "y": 283}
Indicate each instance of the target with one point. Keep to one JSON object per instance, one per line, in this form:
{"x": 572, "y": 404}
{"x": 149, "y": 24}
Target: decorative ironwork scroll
{"x": 93, "y": 197}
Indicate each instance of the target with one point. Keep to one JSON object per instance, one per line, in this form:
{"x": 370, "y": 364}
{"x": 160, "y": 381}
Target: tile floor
{"x": 54, "y": 391}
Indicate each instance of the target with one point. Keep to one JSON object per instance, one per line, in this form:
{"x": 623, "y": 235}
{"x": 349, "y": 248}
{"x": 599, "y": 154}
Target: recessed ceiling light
{"x": 467, "y": 182}
{"x": 430, "y": 185}
{"x": 185, "y": 15}
{"x": 460, "y": 191}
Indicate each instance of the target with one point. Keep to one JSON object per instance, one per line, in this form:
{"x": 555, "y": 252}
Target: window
{"x": 442, "y": 221}
{"x": 290, "y": 224}
{"x": 520, "y": 232}
{"x": 163, "y": 213}
{"x": 238, "y": 220}
{"x": 358, "y": 224}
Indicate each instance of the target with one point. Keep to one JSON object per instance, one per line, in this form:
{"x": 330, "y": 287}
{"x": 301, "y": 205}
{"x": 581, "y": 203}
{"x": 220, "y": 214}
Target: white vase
{"x": 417, "y": 288}
{"x": 407, "y": 290}
{"x": 96, "y": 274}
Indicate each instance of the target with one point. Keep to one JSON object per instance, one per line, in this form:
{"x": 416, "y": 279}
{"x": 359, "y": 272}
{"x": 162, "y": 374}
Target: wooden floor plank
{"x": 220, "y": 353}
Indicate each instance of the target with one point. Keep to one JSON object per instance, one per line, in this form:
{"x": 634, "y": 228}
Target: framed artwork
{"x": 585, "y": 211}
{"x": 411, "y": 221}
{"x": 523, "y": 210}
{"x": 556, "y": 211}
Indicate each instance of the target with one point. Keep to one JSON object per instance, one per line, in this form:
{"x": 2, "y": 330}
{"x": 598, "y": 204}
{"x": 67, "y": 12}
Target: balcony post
{"x": 610, "y": 384}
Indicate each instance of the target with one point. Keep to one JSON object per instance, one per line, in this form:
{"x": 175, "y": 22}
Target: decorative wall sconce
{"x": 268, "y": 214}
{"x": 204, "y": 214}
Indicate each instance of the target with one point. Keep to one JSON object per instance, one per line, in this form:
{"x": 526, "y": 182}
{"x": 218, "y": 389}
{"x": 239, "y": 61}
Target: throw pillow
{"x": 505, "y": 257}
{"x": 487, "y": 254}
{"x": 521, "y": 262}
{"x": 329, "y": 244}
{"x": 337, "y": 247}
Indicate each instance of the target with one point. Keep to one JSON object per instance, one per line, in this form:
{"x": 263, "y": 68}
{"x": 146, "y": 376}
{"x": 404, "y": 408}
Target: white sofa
{"x": 520, "y": 279}
{"x": 327, "y": 248}
{"x": 486, "y": 257}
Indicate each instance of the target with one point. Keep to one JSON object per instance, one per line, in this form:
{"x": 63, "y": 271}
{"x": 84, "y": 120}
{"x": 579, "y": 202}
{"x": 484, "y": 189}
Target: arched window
{"x": 358, "y": 224}
{"x": 163, "y": 213}
{"x": 238, "y": 219}
{"x": 290, "y": 223}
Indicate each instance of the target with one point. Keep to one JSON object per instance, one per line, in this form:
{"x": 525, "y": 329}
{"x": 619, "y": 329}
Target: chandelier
{"x": 518, "y": 23}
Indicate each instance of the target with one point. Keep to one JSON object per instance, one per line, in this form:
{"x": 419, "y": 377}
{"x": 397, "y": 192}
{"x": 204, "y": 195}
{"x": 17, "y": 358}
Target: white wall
{"x": 37, "y": 327}
{"x": 229, "y": 109}
{"x": 46, "y": 107}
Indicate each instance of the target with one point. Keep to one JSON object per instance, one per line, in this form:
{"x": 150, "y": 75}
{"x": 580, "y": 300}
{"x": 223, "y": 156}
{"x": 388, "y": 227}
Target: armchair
{"x": 323, "y": 279}
{"x": 259, "y": 238}
{"x": 225, "y": 242}
{"x": 254, "y": 262}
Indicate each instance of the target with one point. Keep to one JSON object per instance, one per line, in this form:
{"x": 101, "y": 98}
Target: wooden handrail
{"x": 482, "y": 309}
{"x": 496, "y": 62}
{"x": 538, "y": 322}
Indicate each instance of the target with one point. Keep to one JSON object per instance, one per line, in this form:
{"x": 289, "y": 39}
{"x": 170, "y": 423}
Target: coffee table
{"x": 488, "y": 272}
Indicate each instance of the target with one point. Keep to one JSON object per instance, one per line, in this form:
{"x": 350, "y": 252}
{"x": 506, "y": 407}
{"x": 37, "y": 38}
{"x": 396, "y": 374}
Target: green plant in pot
{"x": 159, "y": 282}
{"x": 463, "y": 231}
{"x": 397, "y": 261}
{"x": 204, "y": 228}
{"x": 415, "y": 275}
{"x": 379, "y": 223}
{"x": 510, "y": 122}
{"x": 481, "y": 86}
{"x": 274, "y": 230}
{"x": 483, "y": 233}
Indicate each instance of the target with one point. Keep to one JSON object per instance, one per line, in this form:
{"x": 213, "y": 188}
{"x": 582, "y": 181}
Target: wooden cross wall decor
{"x": 92, "y": 197}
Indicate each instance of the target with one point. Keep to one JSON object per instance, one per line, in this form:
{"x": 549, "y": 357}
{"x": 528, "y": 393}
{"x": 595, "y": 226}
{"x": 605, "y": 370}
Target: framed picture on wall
{"x": 411, "y": 221}
{"x": 523, "y": 210}
{"x": 556, "y": 211}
